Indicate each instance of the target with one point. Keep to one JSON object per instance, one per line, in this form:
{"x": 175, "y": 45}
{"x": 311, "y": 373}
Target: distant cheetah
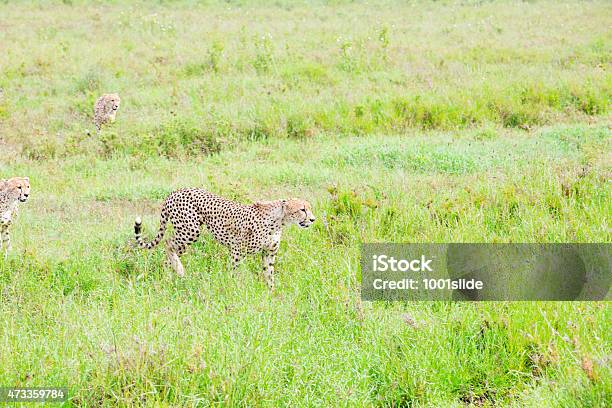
{"x": 244, "y": 229}
{"x": 105, "y": 109}
{"x": 12, "y": 192}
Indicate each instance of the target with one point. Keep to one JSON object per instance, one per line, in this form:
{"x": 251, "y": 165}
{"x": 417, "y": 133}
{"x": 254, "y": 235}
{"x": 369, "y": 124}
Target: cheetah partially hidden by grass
{"x": 105, "y": 109}
{"x": 244, "y": 229}
{"x": 12, "y": 192}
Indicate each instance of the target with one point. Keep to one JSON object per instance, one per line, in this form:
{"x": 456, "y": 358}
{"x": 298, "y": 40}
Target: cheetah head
{"x": 296, "y": 211}
{"x": 21, "y": 185}
{"x": 114, "y": 101}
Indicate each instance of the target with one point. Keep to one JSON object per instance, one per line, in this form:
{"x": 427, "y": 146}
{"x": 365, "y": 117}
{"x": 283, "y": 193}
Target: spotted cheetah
{"x": 12, "y": 192}
{"x": 105, "y": 109}
{"x": 244, "y": 229}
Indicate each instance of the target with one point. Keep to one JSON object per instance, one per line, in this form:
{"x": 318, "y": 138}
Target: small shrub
{"x": 89, "y": 82}
{"x": 180, "y": 137}
{"x": 195, "y": 69}
{"x": 258, "y": 132}
{"x": 215, "y": 54}
{"x": 4, "y": 110}
{"x": 264, "y": 57}
{"x": 485, "y": 134}
{"x": 347, "y": 203}
{"x": 315, "y": 73}
{"x": 41, "y": 148}
{"x": 300, "y": 127}
{"x": 348, "y": 59}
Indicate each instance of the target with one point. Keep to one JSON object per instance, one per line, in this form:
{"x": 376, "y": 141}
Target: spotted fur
{"x": 12, "y": 192}
{"x": 244, "y": 229}
{"x": 105, "y": 109}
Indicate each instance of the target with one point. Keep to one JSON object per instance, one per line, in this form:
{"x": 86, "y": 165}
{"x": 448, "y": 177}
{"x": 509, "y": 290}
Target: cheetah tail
{"x": 160, "y": 233}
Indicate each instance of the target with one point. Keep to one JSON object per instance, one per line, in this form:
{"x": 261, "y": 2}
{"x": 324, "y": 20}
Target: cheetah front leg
{"x": 6, "y": 239}
{"x": 269, "y": 258}
{"x": 97, "y": 126}
{"x": 236, "y": 255}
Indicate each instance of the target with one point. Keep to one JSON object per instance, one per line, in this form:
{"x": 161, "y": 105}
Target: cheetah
{"x": 244, "y": 229}
{"x": 105, "y": 109}
{"x": 12, "y": 192}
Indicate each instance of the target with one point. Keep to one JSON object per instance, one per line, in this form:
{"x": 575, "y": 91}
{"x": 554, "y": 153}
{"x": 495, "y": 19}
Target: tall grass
{"x": 451, "y": 121}
{"x": 86, "y": 310}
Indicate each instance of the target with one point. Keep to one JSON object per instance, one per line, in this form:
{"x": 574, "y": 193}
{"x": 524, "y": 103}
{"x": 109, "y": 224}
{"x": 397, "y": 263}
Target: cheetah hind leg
{"x": 177, "y": 245}
{"x": 174, "y": 260}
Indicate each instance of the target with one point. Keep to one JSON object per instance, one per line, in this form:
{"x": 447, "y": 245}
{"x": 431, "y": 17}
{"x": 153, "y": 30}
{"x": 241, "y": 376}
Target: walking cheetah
{"x": 12, "y": 192}
{"x": 244, "y": 229}
{"x": 105, "y": 109}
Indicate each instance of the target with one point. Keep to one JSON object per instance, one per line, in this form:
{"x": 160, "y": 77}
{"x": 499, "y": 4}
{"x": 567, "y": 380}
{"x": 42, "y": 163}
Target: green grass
{"x": 84, "y": 309}
{"x": 466, "y": 122}
{"x": 214, "y": 74}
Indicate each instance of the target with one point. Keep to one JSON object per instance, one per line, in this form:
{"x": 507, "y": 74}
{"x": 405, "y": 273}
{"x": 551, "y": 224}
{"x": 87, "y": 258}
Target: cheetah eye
{"x": 304, "y": 209}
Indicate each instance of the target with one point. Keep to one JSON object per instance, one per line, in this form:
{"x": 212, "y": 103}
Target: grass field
{"x": 449, "y": 121}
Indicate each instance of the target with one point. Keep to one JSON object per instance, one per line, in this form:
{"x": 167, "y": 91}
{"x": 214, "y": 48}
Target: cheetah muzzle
{"x": 244, "y": 229}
